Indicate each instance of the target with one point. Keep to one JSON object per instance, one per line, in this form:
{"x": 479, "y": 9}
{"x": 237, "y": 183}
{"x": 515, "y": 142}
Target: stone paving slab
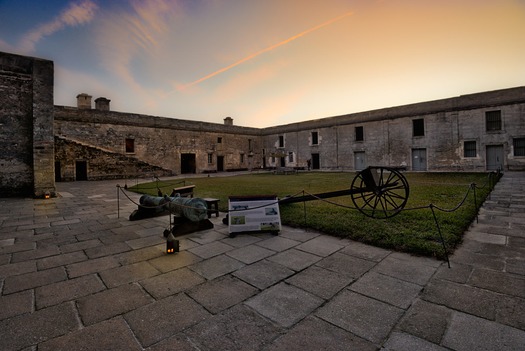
{"x": 76, "y": 274}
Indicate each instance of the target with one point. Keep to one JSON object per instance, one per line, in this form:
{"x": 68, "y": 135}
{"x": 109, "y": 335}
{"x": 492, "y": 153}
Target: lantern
{"x": 172, "y": 245}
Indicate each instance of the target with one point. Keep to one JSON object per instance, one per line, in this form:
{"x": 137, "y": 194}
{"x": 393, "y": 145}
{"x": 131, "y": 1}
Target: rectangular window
{"x": 250, "y": 147}
{"x": 210, "y": 158}
{"x": 519, "y": 146}
{"x": 219, "y": 140}
{"x": 493, "y": 120}
{"x": 418, "y": 127}
{"x": 290, "y": 157}
{"x": 469, "y": 149}
{"x": 359, "y": 134}
{"x": 315, "y": 138}
{"x": 242, "y": 158}
{"x": 130, "y": 145}
{"x": 281, "y": 140}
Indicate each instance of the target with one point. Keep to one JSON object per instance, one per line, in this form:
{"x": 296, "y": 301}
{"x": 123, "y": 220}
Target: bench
{"x": 285, "y": 170}
{"x": 213, "y": 206}
{"x": 183, "y": 191}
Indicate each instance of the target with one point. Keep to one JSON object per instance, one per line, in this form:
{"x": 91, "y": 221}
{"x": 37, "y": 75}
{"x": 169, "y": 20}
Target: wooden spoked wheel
{"x": 379, "y": 192}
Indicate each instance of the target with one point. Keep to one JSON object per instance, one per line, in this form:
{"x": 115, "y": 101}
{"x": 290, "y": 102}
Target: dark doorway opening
{"x": 220, "y": 163}
{"x": 188, "y": 164}
{"x": 58, "y": 175}
{"x": 315, "y": 161}
{"x": 81, "y": 170}
{"x": 282, "y": 161}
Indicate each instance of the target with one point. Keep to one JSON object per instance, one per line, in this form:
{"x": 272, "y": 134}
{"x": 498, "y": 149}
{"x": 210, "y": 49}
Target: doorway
{"x": 359, "y": 160}
{"x": 187, "y": 163}
{"x": 58, "y": 174}
{"x": 81, "y": 170}
{"x": 220, "y": 163}
{"x": 316, "y": 163}
{"x": 494, "y": 157}
{"x": 419, "y": 159}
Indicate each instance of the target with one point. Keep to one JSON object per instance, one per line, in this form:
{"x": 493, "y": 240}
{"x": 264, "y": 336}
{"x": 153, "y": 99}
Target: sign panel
{"x": 254, "y": 213}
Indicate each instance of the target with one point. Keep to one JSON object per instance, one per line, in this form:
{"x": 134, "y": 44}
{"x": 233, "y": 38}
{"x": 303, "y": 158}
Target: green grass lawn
{"x": 412, "y": 230}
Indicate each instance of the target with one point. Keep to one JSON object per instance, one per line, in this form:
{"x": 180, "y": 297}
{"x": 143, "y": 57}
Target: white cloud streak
{"x": 77, "y": 13}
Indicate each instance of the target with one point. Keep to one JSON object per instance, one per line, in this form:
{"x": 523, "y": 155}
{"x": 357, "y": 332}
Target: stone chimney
{"x": 228, "y": 121}
{"x": 102, "y": 104}
{"x": 84, "y": 101}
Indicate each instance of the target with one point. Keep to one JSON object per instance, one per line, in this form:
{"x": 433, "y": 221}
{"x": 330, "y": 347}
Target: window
{"x": 469, "y": 149}
{"x": 359, "y": 134}
{"x": 493, "y": 120}
{"x": 418, "y": 127}
{"x": 281, "y": 140}
{"x": 250, "y": 147}
{"x": 290, "y": 157}
{"x": 315, "y": 138}
{"x": 219, "y": 140}
{"x": 130, "y": 145}
{"x": 519, "y": 146}
{"x": 210, "y": 158}
{"x": 242, "y": 158}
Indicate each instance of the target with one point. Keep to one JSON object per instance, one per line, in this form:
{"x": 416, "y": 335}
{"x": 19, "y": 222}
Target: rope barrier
{"x": 490, "y": 182}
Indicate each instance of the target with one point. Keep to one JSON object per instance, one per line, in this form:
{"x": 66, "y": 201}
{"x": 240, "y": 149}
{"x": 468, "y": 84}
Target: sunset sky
{"x": 269, "y": 62}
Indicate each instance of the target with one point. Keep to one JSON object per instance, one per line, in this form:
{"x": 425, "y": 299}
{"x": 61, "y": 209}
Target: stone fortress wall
{"x": 26, "y": 126}
{"x": 42, "y": 143}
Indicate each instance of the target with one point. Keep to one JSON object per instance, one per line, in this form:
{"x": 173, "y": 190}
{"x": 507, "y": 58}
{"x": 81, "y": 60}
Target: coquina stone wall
{"x": 26, "y": 126}
{"x": 389, "y": 140}
{"x": 177, "y": 145}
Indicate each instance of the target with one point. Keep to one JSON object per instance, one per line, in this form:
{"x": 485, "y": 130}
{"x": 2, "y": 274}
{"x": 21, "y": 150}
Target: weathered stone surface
{"x": 263, "y": 274}
{"x": 216, "y": 266}
{"x": 34, "y": 279}
{"x": 171, "y": 283}
{"x": 30, "y": 329}
{"x": 320, "y": 282}
{"x": 365, "y": 317}
{"x": 250, "y": 253}
{"x": 67, "y": 290}
{"x": 388, "y": 289}
{"x": 92, "y": 266}
{"x": 467, "y": 332}
{"x": 127, "y": 274}
{"x": 112, "y": 302}
{"x": 294, "y": 259}
{"x": 285, "y": 304}
{"x": 108, "y": 335}
{"x": 15, "y": 304}
{"x": 315, "y": 334}
{"x": 427, "y": 321}
{"x": 238, "y": 328}
{"x": 346, "y": 265}
{"x": 161, "y": 319}
{"x": 221, "y": 293}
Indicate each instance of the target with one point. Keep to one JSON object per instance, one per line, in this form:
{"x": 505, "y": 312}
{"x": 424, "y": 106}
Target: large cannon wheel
{"x": 379, "y": 192}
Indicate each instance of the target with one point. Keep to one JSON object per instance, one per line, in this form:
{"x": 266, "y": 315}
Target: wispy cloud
{"x": 270, "y": 48}
{"x": 76, "y": 14}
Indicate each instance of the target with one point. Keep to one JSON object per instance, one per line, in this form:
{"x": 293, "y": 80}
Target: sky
{"x": 269, "y": 62}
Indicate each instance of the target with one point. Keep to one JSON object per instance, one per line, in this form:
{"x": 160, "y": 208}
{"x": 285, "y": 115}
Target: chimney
{"x": 84, "y": 101}
{"x": 102, "y": 104}
{"x": 228, "y": 121}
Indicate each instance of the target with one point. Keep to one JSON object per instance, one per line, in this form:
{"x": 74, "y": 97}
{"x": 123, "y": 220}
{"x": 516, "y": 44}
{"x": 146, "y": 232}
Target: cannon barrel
{"x": 194, "y": 209}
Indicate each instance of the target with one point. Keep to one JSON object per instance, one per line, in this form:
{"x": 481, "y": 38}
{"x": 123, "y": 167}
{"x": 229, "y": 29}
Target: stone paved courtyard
{"x": 76, "y": 274}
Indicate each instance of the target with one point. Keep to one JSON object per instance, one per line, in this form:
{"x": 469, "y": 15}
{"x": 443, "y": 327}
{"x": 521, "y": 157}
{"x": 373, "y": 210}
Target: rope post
{"x": 440, "y": 235}
{"x": 304, "y": 212}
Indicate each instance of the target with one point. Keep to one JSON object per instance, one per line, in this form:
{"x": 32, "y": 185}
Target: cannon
{"x": 193, "y": 209}
{"x": 377, "y": 192}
